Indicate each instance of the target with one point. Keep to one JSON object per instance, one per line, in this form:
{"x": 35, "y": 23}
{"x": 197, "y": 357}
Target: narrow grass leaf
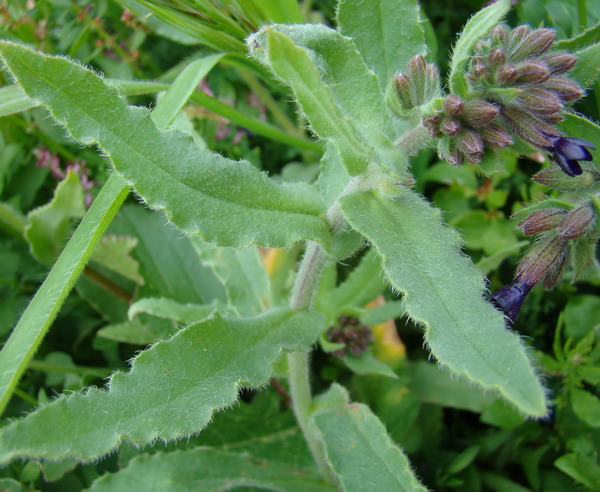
{"x": 172, "y": 390}
{"x": 477, "y": 27}
{"x": 39, "y": 315}
{"x": 444, "y": 292}
{"x": 358, "y": 447}
{"x": 226, "y": 202}
{"x": 387, "y": 33}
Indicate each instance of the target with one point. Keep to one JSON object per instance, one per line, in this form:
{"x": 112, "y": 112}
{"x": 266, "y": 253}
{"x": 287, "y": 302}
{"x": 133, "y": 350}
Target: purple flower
{"x": 510, "y": 298}
{"x": 567, "y": 151}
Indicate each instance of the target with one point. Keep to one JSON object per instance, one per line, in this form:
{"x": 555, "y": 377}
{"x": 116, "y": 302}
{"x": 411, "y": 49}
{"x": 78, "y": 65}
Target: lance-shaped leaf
{"x": 209, "y": 470}
{"x": 293, "y": 65}
{"x": 358, "y": 447}
{"x": 388, "y": 33}
{"x": 586, "y": 71}
{"x": 477, "y": 27}
{"x": 226, "y": 202}
{"x": 172, "y": 390}
{"x": 242, "y": 273}
{"x": 114, "y": 252}
{"x": 443, "y": 291}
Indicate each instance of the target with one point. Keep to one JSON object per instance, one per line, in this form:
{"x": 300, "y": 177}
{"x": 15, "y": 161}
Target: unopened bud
{"x": 545, "y": 257}
{"x": 402, "y": 88}
{"x": 578, "y": 222}
{"x": 478, "y": 113}
{"x": 531, "y": 129}
{"x": 450, "y": 127}
{"x": 448, "y": 152}
{"x": 498, "y": 35}
{"x": 536, "y": 43}
{"x": 497, "y": 56}
{"x": 554, "y": 177}
{"x": 531, "y": 71}
{"x": 516, "y": 37}
{"x": 506, "y": 75}
{"x": 542, "y": 220}
{"x": 539, "y": 101}
{"x": 480, "y": 71}
{"x": 432, "y": 83}
{"x": 453, "y": 105}
{"x": 416, "y": 71}
{"x": 495, "y": 136}
{"x": 566, "y": 89}
{"x": 432, "y": 123}
{"x": 471, "y": 145}
{"x": 559, "y": 63}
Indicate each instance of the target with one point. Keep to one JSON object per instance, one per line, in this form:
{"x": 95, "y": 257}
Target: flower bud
{"x": 497, "y": 56}
{"x": 402, "y": 88}
{"x": 559, "y": 63}
{"x": 539, "y": 101}
{"x": 432, "y": 123}
{"x": 544, "y": 257}
{"x": 499, "y": 35}
{"x": 471, "y": 145}
{"x": 531, "y": 129}
{"x": 506, "y": 75}
{"x": 453, "y": 105}
{"x": 566, "y": 89}
{"x": 432, "y": 82}
{"x": 542, "y": 220}
{"x": 448, "y": 152}
{"x": 536, "y": 43}
{"x": 554, "y": 177}
{"x": 516, "y": 37}
{"x": 416, "y": 71}
{"x": 478, "y": 113}
{"x": 352, "y": 334}
{"x": 450, "y": 127}
{"x": 531, "y": 71}
{"x": 578, "y": 222}
{"x": 495, "y": 136}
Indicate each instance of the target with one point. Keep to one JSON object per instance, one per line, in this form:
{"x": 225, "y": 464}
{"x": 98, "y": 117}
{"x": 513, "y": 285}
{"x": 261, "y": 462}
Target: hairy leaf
{"x": 357, "y": 445}
{"x": 131, "y": 332}
{"x": 587, "y": 37}
{"x": 39, "y": 315}
{"x": 170, "y": 309}
{"x": 444, "y": 292}
{"x": 586, "y": 71}
{"x": 208, "y": 470}
{"x": 50, "y": 224}
{"x": 386, "y": 32}
{"x": 477, "y": 27}
{"x": 172, "y": 390}
{"x": 226, "y": 202}
{"x": 293, "y": 65}
{"x": 242, "y": 273}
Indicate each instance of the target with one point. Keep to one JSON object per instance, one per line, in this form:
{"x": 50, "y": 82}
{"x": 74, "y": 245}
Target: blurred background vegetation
{"x": 456, "y": 437}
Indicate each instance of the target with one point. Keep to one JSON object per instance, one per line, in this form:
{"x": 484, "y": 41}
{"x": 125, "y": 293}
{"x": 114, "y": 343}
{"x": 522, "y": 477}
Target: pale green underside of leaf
{"x": 39, "y": 315}
{"x": 444, "y": 292}
{"x": 114, "y": 253}
{"x": 582, "y": 40}
{"x": 386, "y": 32}
{"x": 358, "y": 447}
{"x": 207, "y": 470}
{"x": 162, "y": 307}
{"x": 476, "y": 28}
{"x": 50, "y": 224}
{"x": 242, "y": 274}
{"x": 228, "y": 203}
{"x": 172, "y": 390}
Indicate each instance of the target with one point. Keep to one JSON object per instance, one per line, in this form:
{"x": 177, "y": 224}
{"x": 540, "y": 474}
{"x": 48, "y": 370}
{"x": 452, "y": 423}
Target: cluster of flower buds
{"x": 465, "y": 128}
{"x": 418, "y": 85}
{"x": 355, "y": 337}
{"x": 517, "y": 71}
{"x": 546, "y": 262}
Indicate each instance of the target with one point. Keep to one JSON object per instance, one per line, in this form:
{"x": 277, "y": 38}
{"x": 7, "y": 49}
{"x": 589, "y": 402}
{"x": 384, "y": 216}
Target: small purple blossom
{"x": 510, "y": 298}
{"x": 567, "y": 151}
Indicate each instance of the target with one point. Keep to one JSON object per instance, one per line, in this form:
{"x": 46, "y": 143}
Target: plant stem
{"x": 582, "y": 14}
{"x": 298, "y": 362}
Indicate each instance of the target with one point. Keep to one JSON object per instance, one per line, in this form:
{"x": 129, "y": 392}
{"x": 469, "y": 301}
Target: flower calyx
{"x": 418, "y": 85}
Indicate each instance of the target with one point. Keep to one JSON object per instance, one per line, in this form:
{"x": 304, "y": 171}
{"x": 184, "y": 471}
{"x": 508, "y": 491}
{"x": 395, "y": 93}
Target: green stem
{"x": 298, "y": 362}
{"x": 25, "y": 397}
{"x": 582, "y": 14}
{"x": 253, "y": 124}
